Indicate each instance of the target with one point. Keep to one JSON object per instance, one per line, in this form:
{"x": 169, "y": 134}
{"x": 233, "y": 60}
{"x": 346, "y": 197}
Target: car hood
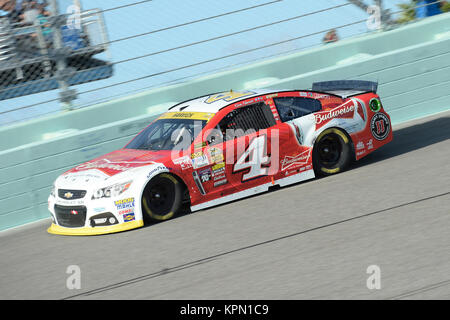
{"x": 111, "y": 164}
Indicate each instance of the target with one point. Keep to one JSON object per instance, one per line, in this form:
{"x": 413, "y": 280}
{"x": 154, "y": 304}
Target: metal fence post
{"x": 66, "y": 95}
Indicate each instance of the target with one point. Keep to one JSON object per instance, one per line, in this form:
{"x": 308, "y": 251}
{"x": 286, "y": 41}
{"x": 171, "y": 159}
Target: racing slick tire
{"x": 332, "y": 152}
{"x": 162, "y": 198}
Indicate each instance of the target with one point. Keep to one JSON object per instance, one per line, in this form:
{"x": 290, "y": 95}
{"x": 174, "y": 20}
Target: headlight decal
{"x": 111, "y": 191}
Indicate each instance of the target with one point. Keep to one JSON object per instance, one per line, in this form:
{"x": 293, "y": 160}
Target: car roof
{"x": 214, "y": 102}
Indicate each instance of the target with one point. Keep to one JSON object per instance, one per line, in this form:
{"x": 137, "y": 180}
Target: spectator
{"x": 330, "y": 36}
{"x": 30, "y": 12}
{"x": 11, "y": 9}
{"x": 44, "y": 22}
{"x": 6, "y": 5}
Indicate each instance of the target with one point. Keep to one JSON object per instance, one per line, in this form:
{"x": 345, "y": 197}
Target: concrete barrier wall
{"x": 411, "y": 64}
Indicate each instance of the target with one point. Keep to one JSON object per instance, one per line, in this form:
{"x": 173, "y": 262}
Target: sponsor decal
{"x": 327, "y": 101}
{"x": 370, "y": 144}
{"x": 110, "y": 165}
{"x": 360, "y": 153}
{"x": 379, "y": 125}
{"x": 101, "y": 209}
{"x": 270, "y": 96}
{"x": 244, "y": 103}
{"x": 219, "y": 176}
{"x": 128, "y": 217}
{"x": 69, "y": 202}
{"x": 303, "y": 94}
{"x": 375, "y": 104}
{"x": 159, "y": 168}
{"x": 124, "y": 204}
{"x": 228, "y": 96}
{"x": 274, "y": 112}
{"x": 84, "y": 175}
{"x": 126, "y": 211}
{"x": 218, "y": 171}
{"x": 218, "y": 166}
{"x": 216, "y": 155}
{"x": 220, "y": 183}
{"x": 187, "y": 115}
{"x": 345, "y": 111}
{"x": 205, "y": 175}
{"x": 360, "y": 145}
{"x": 199, "y": 160}
{"x": 200, "y": 145}
{"x": 295, "y": 161}
{"x": 184, "y": 162}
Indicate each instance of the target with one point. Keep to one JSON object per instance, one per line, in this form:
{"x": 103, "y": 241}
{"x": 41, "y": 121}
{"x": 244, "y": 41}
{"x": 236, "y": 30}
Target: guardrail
{"x": 410, "y": 63}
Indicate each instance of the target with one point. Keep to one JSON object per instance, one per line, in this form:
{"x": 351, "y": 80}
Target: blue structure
{"x": 427, "y": 8}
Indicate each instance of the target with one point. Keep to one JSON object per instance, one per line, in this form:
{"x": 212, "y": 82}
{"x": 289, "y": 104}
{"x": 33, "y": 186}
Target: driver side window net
{"x": 245, "y": 120}
{"x": 294, "y": 107}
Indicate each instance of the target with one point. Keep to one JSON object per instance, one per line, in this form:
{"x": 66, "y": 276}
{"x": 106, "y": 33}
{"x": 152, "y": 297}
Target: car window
{"x": 245, "y": 120}
{"x": 293, "y": 107}
{"x": 167, "y": 134}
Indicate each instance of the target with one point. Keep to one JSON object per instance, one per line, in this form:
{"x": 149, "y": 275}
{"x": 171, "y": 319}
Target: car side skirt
{"x": 307, "y": 175}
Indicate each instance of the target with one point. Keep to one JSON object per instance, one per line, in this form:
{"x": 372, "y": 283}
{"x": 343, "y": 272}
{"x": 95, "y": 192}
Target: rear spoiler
{"x": 345, "y": 88}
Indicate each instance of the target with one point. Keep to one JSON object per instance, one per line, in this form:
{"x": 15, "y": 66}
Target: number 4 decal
{"x": 255, "y": 159}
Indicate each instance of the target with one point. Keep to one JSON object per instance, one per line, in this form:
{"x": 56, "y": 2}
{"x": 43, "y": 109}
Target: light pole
{"x": 60, "y": 53}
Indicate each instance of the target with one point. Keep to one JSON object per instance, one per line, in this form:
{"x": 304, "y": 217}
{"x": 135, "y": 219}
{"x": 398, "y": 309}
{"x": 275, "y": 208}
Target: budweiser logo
{"x": 100, "y": 165}
{"x": 298, "y": 160}
{"x": 105, "y": 164}
{"x": 345, "y": 111}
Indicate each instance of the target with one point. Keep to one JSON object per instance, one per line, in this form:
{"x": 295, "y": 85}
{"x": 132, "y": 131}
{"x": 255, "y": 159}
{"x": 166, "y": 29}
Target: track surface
{"x": 313, "y": 240}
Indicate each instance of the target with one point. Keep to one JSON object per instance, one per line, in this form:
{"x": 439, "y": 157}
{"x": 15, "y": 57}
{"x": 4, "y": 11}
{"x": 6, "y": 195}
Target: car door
{"x": 246, "y": 152}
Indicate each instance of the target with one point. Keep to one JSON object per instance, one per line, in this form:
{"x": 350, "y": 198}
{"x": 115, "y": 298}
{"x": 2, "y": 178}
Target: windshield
{"x": 168, "y": 134}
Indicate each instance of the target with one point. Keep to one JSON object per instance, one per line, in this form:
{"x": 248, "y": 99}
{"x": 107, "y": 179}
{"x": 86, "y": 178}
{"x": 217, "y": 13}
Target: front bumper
{"x": 84, "y": 231}
{"x": 93, "y": 217}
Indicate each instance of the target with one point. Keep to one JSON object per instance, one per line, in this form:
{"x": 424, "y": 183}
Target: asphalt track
{"x": 313, "y": 240}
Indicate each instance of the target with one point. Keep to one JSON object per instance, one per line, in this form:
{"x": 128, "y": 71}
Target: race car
{"x": 218, "y": 148}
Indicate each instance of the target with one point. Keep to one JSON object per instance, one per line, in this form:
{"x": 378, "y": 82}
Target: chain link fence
{"x": 43, "y": 50}
{"x": 53, "y": 53}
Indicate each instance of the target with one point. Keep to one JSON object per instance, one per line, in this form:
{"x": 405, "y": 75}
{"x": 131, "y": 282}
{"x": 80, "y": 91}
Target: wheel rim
{"x": 160, "y": 197}
{"x": 329, "y": 151}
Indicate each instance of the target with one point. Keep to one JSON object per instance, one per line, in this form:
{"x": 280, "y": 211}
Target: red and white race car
{"x": 218, "y": 148}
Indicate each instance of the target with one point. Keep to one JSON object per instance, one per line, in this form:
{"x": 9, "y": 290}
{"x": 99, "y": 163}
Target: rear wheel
{"x": 332, "y": 152}
{"x": 162, "y": 198}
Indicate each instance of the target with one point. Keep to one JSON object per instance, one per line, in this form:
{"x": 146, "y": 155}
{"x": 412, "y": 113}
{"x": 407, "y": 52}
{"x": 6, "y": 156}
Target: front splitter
{"x": 88, "y": 231}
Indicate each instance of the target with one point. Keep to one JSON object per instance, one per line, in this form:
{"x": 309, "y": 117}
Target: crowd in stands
{"x": 24, "y": 12}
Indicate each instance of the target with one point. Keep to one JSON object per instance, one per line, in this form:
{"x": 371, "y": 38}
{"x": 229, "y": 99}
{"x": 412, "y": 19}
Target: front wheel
{"x": 332, "y": 152}
{"x": 162, "y": 197}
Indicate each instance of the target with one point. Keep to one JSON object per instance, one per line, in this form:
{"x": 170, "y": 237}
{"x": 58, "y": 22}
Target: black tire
{"x": 332, "y": 152}
{"x": 162, "y": 198}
